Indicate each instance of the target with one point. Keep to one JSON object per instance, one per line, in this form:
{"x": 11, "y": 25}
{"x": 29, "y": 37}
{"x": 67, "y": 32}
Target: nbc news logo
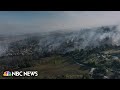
{"x": 7, "y": 73}
{"x": 20, "y": 73}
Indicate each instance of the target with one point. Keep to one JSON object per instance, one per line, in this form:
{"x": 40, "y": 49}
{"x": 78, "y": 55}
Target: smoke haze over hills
{"x": 65, "y": 41}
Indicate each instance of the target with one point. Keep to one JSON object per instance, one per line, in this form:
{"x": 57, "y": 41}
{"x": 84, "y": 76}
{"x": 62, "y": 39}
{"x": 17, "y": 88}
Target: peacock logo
{"x": 7, "y": 73}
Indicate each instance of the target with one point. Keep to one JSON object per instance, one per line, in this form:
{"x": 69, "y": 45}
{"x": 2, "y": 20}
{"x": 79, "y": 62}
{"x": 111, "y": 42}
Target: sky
{"x": 19, "y": 22}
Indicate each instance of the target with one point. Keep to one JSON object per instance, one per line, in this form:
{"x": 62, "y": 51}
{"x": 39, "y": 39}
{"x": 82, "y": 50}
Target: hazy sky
{"x": 15, "y": 22}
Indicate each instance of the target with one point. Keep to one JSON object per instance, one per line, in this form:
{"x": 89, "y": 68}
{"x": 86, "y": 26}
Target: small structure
{"x": 115, "y": 57}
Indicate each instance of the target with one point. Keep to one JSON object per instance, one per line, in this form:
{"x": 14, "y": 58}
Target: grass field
{"x": 55, "y": 67}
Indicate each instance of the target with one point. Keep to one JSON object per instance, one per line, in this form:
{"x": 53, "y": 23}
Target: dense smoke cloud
{"x": 65, "y": 41}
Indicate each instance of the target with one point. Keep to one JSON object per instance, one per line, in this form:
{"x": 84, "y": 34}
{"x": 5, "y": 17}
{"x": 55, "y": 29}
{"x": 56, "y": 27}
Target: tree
{"x": 99, "y": 73}
{"x": 28, "y": 46}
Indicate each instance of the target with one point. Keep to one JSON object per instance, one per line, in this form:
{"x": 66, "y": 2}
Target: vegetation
{"x": 101, "y": 62}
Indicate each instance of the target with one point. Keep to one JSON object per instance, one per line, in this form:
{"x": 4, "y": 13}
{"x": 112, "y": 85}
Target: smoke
{"x": 65, "y": 41}
{"x": 93, "y": 37}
